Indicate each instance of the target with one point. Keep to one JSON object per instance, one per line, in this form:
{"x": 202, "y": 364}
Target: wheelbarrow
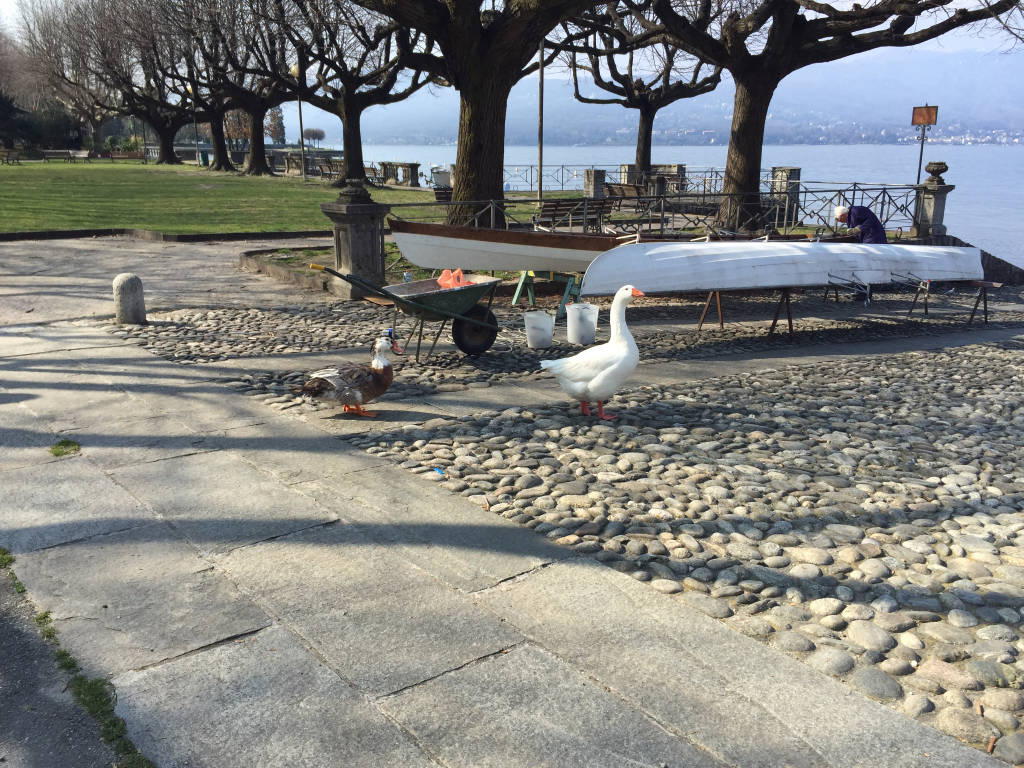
{"x": 474, "y": 327}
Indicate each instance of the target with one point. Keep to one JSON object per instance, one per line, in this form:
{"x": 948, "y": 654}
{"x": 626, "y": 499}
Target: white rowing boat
{"x": 438, "y": 246}
{"x": 752, "y": 264}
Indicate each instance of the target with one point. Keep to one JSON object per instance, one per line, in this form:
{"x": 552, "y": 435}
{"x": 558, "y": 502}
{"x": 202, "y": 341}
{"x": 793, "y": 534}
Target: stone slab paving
{"x": 440, "y": 534}
{"x": 129, "y": 600}
{"x": 263, "y": 700}
{"x": 62, "y": 501}
{"x": 528, "y": 709}
{"x": 218, "y": 501}
{"x": 22, "y": 444}
{"x": 370, "y": 614}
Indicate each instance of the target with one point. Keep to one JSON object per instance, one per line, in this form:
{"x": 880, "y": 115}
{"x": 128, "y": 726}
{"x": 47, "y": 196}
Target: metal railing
{"x": 695, "y": 208}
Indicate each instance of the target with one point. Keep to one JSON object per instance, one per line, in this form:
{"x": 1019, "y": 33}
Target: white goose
{"x": 596, "y": 374}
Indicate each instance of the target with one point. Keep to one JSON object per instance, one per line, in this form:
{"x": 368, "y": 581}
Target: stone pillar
{"x": 412, "y": 174}
{"x": 628, "y": 174}
{"x": 389, "y": 172}
{"x": 786, "y": 183}
{"x": 129, "y": 303}
{"x": 657, "y": 185}
{"x": 593, "y": 182}
{"x": 931, "y": 202}
{"x": 358, "y": 236}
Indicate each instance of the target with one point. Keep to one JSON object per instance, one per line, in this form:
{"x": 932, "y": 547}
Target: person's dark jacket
{"x": 871, "y": 229}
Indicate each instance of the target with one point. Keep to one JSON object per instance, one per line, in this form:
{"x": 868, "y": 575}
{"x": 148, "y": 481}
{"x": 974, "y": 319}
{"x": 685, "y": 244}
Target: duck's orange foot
{"x": 358, "y": 410}
{"x": 584, "y": 407}
{"x": 601, "y": 414}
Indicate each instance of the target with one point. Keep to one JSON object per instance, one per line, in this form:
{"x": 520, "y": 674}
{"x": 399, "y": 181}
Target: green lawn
{"x": 169, "y": 199}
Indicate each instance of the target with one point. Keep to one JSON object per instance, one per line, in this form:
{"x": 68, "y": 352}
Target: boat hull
{"x": 748, "y": 265}
{"x": 436, "y": 246}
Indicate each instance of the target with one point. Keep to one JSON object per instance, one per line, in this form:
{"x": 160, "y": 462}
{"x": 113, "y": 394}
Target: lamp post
{"x": 195, "y": 122}
{"x": 925, "y": 117}
{"x": 295, "y": 72}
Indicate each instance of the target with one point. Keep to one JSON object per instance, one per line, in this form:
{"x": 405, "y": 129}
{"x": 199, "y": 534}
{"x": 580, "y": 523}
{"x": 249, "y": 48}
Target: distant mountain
{"x": 868, "y": 97}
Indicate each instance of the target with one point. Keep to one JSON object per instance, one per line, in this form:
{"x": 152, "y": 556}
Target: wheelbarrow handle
{"x": 399, "y": 300}
{"x": 357, "y": 281}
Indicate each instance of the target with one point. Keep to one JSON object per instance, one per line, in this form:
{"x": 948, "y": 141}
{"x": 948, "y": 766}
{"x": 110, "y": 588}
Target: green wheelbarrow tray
{"x": 474, "y": 327}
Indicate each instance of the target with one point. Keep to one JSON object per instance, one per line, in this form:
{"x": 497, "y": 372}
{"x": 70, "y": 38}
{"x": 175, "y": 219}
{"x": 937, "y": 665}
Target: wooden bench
{"x": 589, "y": 213}
{"x": 623, "y": 192}
{"x": 80, "y": 154}
{"x": 57, "y": 154}
{"x": 127, "y": 156}
{"x": 373, "y": 174}
{"x": 443, "y": 194}
{"x": 10, "y": 157}
{"x": 326, "y": 169}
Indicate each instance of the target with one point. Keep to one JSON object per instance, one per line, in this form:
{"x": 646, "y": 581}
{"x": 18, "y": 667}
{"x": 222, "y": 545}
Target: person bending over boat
{"x": 861, "y": 223}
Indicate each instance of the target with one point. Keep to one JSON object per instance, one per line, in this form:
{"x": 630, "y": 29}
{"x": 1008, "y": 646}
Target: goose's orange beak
{"x": 637, "y": 292}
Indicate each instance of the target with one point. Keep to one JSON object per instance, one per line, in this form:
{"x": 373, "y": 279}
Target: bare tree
{"x": 760, "y": 42}
{"x": 642, "y": 75}
{"x": 63, "y": 65}
{"x": 349, "y": 59}
{"x": 130, "y": 52}
{"x": 235, "y": 60}
{"x": 482, "y": 54}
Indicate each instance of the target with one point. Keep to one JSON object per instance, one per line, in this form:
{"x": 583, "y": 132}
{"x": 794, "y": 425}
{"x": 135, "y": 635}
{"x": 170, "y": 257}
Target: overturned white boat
{"x": 681, "y": 267}
{"x": 439, "y": 246}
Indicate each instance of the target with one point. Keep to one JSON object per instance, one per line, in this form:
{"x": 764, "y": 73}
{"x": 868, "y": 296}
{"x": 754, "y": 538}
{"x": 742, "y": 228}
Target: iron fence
{"x": 782, "y": 207}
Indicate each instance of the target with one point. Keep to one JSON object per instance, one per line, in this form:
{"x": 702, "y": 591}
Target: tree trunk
{"x": 256, "y": 161}
{"x": 95, "y": 126}
{"x": 165, "y": 133}
{"x": 351, "y": 143}
{"x": 221, "y": 160}
{"x": 644, "y": 132}
{"x": 741, "y": 204}
{"x": 481, "y": 150}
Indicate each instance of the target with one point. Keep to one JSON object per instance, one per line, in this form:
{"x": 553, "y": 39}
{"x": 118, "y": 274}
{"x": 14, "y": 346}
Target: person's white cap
{"x": 839, "y": 211}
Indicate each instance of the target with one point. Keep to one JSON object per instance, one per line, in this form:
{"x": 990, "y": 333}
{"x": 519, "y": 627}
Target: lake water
{"x": 985, "y": 208}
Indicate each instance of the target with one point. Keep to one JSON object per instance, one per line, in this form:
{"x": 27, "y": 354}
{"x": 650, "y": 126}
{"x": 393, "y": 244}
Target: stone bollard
{"x": 129, "y": 304}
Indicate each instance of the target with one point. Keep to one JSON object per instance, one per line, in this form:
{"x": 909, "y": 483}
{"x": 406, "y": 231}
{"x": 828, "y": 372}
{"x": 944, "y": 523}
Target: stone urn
{"x": 936, "y": 169}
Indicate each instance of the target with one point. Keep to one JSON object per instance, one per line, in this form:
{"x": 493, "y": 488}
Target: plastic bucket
{"x": 581, "y": 323}
{"x": 540, "y": 326}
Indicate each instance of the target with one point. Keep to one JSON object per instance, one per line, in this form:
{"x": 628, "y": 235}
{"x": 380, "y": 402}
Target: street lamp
{"x": 925, "y": 117}
{"x": 295, "y": 72}
{"x": 195, "y": 123}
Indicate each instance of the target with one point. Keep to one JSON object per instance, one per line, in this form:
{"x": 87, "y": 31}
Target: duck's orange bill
{"x": 637, "y": 292}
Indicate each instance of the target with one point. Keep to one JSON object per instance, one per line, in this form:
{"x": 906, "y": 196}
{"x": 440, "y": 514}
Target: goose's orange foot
{"x": 601, "y": 414}
{"x": 584, "y": 407}
{"x": 358, "y": 410}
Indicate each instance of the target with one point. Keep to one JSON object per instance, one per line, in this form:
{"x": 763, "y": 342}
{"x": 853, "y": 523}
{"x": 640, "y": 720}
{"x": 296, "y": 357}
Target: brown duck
{"x": 354, "y": 384}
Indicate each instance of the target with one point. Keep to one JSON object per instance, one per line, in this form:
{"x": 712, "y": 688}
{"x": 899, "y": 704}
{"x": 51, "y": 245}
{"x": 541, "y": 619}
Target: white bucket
{"x": 581, "y": 325}
{"x": 540, "y": 326}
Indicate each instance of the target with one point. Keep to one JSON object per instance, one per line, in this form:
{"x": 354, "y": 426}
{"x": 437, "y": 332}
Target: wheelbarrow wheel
{"x": 471, "y": 338}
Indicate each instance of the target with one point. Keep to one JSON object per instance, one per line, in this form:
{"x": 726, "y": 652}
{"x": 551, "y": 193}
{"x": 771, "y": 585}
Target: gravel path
{"x": 863, "y": 515}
